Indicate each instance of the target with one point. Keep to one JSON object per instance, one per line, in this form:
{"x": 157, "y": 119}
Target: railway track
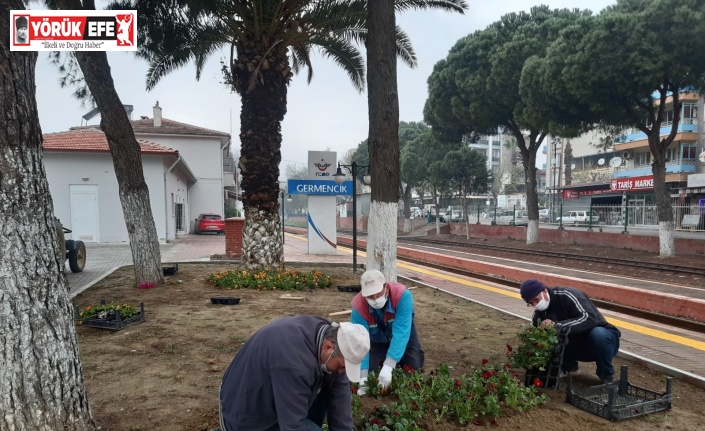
{"x": 677, "y": 322}
{"x": 558, "y": 255}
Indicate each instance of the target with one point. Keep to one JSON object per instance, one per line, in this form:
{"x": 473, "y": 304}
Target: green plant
{"x": 478, "y": 397}
{"x": 536, "y": 345}
{"x": 277, "y": 279}
{"x": 105, "y": 310}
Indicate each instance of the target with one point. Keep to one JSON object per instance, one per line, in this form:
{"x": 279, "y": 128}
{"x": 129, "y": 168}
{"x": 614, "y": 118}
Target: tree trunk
{"x": 261, "y": 115}
{"x": 532, "y": 197}
{"x": 383, "y": 111}
{"x": 127, "y": 160}
{"x": 41, "y": 379}
{"x": 664, "y": 210}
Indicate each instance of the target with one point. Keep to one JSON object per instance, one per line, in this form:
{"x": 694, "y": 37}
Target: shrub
{"x": 270, "y": 280}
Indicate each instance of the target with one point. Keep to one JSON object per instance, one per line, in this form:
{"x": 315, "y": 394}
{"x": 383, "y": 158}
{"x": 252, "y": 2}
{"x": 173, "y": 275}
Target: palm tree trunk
{"x": 383, "y": 111}
{"x": 127, "y": 160}
{"x": 41, "y": 379}
{"x": 261, "y": 115}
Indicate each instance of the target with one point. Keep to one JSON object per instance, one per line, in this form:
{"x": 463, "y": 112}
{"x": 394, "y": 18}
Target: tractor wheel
{"x": 77, "y": 257}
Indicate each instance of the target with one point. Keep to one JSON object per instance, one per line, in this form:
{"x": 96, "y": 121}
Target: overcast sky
{"x": 327, "y": 114}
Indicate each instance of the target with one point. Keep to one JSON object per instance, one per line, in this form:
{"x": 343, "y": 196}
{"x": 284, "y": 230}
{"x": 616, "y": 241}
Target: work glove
{"x": 385, "y": 377}
{"x": 362, "y": 390}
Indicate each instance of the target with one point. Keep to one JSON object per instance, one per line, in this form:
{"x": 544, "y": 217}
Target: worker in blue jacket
{"x": 291, "y": 374}
{"x": 386, "y": 310}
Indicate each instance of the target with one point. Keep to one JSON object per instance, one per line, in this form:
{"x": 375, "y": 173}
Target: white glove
{"x": 362, "y": 390}
{"x": 385, "y": 377}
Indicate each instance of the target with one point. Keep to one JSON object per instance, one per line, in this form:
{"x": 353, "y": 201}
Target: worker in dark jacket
{"x": 386, "y": 310}
{"x": 292, "y": 373}
{"x": 590, "y": 337}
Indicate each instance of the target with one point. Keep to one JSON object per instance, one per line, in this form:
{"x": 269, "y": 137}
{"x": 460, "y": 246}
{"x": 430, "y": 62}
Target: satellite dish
{"x": 701, "y": 157}
{"x": 601, "y": 161}
{"x": 572, "y": 166}
{"x": 616, "y": 162}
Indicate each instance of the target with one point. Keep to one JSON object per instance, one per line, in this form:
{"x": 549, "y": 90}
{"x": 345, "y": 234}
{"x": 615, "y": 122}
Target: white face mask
{"x": 378, "y": 303}
{"x": 324, "y": 366}
{"x": 543, "y": 303}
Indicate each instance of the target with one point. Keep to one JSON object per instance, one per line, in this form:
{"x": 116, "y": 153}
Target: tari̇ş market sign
{"x": 319, "y": 187}
{"x": 630, "y": 184}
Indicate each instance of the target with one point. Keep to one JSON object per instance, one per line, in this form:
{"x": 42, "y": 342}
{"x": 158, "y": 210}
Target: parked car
{"x": 416, "y": 212}
{"x": 209, "y": 223}
{"x": 509, "y": 217}
{"x": 544, "y": 215}
{"x": 579, "y": 217}
{"x": 454, "y": 216}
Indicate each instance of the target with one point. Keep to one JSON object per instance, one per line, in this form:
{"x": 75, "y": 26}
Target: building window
{"x": 642, "y": 159}
{"x": 495, "y": 154}
{"x": 690, "y": 113}
{"x": 495, "y": 170}
{"x": 689, "y": 151}
{"x": 672, "y": 155}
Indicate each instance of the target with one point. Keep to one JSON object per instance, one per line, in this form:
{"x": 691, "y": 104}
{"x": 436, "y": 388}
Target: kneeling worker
{"x": 386, "y": 309}
{"x": 590, "y": 337}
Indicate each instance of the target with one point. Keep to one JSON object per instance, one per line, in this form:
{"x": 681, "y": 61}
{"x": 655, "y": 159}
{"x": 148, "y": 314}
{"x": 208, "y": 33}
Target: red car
{"x": 210, "y": 223}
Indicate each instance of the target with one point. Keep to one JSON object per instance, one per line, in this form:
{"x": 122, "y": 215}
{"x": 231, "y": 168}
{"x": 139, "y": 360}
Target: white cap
{"x": 372, "y": 282}
{"x": 354, "y": 343}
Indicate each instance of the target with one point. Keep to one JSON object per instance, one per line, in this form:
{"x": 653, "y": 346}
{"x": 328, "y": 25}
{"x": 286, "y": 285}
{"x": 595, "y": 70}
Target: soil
{"x": 164, "y": 374}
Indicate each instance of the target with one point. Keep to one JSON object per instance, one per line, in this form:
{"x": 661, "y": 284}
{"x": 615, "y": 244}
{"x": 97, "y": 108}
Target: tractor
{"x": 74, "y": 251}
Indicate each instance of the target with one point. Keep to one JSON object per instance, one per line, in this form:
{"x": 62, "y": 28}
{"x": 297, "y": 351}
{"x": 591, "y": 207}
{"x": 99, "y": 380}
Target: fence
{"x": 685, "y": 217}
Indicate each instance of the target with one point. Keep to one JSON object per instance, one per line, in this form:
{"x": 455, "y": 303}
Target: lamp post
{"x": 339, "y": 178}
{"x": 288, "y": 198}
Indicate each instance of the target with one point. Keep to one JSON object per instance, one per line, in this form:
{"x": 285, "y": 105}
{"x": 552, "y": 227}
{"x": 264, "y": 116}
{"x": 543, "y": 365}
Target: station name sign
{"x": 634, "y": 183}
{"x": 319, "y": 187}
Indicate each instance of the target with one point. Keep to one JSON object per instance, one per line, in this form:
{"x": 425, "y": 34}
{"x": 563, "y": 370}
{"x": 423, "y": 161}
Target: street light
{"x": 288, "y": 199}
{"x": 339, "y": 178}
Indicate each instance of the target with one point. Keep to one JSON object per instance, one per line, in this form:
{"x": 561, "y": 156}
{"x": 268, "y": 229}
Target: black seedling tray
{"x": 550, "y": 375}
{"x": 619, "y": 399}
{"x": 170, "y": 268}
{"x": 225, "y": 300}
{"x": 353, "y": 288}
{"x": 116, "y": 322}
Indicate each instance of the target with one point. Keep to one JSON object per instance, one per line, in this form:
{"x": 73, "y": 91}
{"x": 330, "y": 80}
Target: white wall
{"x": 65, "y": 169}
{"x": 204, "y": 158}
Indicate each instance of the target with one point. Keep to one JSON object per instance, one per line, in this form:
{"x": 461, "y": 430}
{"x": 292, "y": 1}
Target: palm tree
{"x": 268, "y": 41}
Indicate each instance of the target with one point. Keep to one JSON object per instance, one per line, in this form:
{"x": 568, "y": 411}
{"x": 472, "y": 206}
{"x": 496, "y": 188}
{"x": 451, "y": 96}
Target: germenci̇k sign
{"x": 72, "y": 30}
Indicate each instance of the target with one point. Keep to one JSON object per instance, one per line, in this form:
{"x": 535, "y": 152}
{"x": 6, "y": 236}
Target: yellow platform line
{"x": 655, "y": 333}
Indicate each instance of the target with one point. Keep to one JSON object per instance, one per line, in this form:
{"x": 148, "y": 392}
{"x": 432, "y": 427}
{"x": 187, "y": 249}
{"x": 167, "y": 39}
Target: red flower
{"x": 537, "y": 382}
{"x": 509, "y": 347}
{"x": 408, "y": 368}
{"x": 397, "y": 413}
{"x": 414, "y": 405}
{"x": 375, "y": 422}
{"x": 353, "y": 389}
{"x": 494, "y": 423}
{"x": 477, "y": 422}
{"x": 486, "y": 375}
{"x": 458, "y": 383}
{"x": 484, "y": 361}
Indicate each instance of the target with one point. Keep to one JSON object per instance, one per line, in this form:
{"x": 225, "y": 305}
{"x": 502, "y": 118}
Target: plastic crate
{"x": 353, "y": 288}
{"x": 170, "y": 268}
{"x": 619, "y": 399}
{"x": 225, "y": 300}
{"x": 116, "y": 322}
{"x": 550, "y": 375}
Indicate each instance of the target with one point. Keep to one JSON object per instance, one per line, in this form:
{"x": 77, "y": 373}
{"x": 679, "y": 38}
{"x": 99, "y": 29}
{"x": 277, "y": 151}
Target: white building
{"x": 188, "y": 171}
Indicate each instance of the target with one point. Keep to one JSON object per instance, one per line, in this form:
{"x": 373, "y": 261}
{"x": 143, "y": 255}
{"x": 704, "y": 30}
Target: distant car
{"x": 210, "y": 223}
{"x": 544, "y": 215}
{"x": 416, "y": 212}
{"x": 508, "y": 217}
{"x": 579, "y": 217}
{"x": 454, "y": 216}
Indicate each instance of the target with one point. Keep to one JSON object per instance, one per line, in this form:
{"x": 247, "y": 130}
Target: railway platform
{"x": 673, "y": 351}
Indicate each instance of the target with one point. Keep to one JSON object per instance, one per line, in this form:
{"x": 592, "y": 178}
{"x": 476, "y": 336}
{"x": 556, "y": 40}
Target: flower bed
{"x": 110, "y": 316}
{"x": 270, "y": 280}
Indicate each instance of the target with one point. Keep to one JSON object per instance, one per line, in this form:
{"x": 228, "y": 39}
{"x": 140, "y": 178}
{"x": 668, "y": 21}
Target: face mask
{"x": 324, "y": 366}
{"x": 543, "y": 304}
{"x": 378, "y": 303}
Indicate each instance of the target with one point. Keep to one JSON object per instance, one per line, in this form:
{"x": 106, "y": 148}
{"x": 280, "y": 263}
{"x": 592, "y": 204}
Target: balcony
{"x": 682, "y": 167}
{"x": 687, "y": 130}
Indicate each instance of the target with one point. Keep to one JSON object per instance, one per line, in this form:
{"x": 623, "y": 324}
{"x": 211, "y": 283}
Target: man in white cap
{"x": 291, "y": 374}
{"x": 386, "y": 310}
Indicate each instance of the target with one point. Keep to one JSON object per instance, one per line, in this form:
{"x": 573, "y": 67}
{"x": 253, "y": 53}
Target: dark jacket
{"x": 276, "y": 376}
{"x": 572, "y": 311}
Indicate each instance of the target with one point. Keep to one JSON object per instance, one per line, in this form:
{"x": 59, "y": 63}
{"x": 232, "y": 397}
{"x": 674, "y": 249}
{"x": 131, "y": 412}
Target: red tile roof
{"x": 171, "y": 127}
{"x": 92, "y": 140}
